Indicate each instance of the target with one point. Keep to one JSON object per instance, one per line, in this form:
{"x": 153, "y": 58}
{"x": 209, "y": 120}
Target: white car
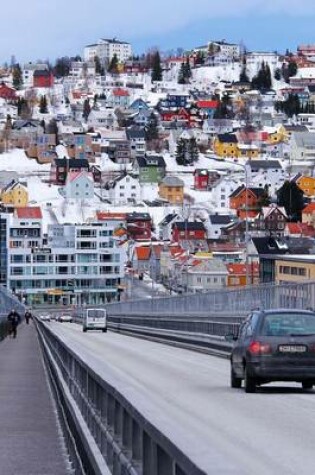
{"x": 65, "y": 318}
{"x": 45, "y": 318}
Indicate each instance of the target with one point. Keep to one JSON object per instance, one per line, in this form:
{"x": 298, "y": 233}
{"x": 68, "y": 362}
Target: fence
{"x": 228, "y": 301}
{"x": 122, "y": 437}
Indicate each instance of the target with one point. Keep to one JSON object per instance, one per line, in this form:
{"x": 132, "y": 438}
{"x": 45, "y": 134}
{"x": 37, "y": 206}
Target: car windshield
{"x": 286, "y": 324}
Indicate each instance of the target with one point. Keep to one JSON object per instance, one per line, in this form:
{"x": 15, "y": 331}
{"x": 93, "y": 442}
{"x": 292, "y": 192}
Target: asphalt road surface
{"x": 187, "y": 396}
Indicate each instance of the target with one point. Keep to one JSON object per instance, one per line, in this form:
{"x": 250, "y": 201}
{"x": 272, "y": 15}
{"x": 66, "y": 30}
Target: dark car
{"x": 274, "y": 345}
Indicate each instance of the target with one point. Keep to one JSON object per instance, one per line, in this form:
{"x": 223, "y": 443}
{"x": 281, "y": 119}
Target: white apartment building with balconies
{"x": 72, "y": 264}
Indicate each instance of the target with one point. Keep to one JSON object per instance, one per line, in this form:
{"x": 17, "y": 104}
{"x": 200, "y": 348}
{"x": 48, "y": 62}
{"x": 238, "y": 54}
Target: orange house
{"x": 237, "y": 274}
{"x": 249, "y": 198}
{"x": 307, "y": 185}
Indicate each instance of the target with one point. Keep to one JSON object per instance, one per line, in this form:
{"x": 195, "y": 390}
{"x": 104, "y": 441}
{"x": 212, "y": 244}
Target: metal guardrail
{"x": 121, "y": 436}
{"x": 224, "y": 301}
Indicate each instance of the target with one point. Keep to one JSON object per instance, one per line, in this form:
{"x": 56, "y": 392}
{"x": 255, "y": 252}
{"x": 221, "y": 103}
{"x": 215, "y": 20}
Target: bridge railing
{"x": 225, "y": 301}
{"x": 121, "y": 436}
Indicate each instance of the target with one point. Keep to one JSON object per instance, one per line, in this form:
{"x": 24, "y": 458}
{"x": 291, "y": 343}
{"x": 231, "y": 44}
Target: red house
{"x": 7, "y": 93}
{"x": 188, "y": 231}
{"x": 180, "y": 115}
{"x": 201, "y": 179}
{"x": 43, "y": 78}
{"x": 139, "y": 226}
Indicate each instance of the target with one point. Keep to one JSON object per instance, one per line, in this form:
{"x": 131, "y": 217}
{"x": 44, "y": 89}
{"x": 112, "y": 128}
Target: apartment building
{"x": 106, "y": 48}
{"x": 71, "y": 264}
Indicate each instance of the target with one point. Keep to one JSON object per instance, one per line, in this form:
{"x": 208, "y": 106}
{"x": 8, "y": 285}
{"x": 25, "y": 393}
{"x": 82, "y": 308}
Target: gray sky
{"x": 33, "y": 29}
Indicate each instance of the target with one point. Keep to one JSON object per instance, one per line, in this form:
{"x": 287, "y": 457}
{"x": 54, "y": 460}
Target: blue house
{"x": 139, "y": 104}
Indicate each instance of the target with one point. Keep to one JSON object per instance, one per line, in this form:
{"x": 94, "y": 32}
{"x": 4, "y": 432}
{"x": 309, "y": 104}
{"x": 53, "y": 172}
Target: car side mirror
{"x": 230, "y": 337}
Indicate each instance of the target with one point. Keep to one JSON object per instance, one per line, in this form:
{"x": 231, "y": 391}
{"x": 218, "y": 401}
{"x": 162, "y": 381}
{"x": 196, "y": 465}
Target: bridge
{"x": 137, "y": 400}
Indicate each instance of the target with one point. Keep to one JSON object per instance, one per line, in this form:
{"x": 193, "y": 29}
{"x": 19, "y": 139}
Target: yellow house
{"x": 14, "y": 194}
{"x": 226, "y": 145}
{"x": 171, "y": 189}
{"x": 248, "y": 151}
{"x": 294, "y": 268}
{"x": 307, "y": 185}
{"x": 276, "y": 135}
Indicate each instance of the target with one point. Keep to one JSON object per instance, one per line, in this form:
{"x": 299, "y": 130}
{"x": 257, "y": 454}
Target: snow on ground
{"x": 16, "y": 160}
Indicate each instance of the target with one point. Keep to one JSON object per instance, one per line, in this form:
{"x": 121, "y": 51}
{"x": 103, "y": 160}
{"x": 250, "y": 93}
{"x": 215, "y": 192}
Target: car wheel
{"x": 85, "y": 330}
{"x": 104, "y": 330}
{"x": 249, "y": 382}
{"x": 235, "y": 381}
{"x": 307, "y": 385}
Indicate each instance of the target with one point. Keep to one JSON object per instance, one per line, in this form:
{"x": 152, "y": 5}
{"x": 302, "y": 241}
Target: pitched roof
{"x": 236, "y": 268}
{"x": 29, "y": 212}
{"x": 173, "y": 181}
{"x": 220, "y": 219}
{"x": 107, "y": 216}
{"x": 310, "y": 208}
{"x": 72, "y": 162}
{"x": 207, "y": 104}
{"x": 143, "y": 253}
{"x": 120, "y": 92}
{"x": 189, "y": 226}
{"x": 227, "y": 138}
{"x": 265, "y": 164}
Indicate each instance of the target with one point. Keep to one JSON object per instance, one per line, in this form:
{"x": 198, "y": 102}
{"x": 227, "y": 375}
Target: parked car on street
{"x": 274, "y": 345}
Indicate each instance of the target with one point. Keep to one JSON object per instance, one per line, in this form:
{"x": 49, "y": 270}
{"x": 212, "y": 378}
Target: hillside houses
{"x": 110, "y": 142}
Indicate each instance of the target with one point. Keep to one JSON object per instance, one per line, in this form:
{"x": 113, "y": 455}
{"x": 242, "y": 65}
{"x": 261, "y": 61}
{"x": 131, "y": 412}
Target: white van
{"x": 95, "y": 319}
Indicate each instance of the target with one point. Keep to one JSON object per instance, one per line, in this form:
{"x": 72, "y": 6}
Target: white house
{"x": 207, "y": 275}
{"x": 222, "y": 190}
{"x": 124, "y": 190}
{"x": 104, "y": 118}
{"x": 265, "y": 172}
{"x": 79, "y": 185}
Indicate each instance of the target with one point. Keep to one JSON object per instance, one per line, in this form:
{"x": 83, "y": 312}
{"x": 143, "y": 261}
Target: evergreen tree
{"x": 180, "y": 152}
{"x": 43, "y": 105}
{"x": 186, "y": 151}
{"x": 151, "y": 130}
{"x": 292, "y": 198}
{"x": 187, "y": 70}
{"x": 224, "y": 109}
{"x": 98, "y": 67}
{"x": 17, "y": 78}
{"x": 263, "y": 78}
{"x": 86, "y": 109}
{"x": 157, "y": 72}
{"x": 181, "y": 75}
{"x": 243, "y": 75}
{"x": 62, "y": 67}
{"x": 278, "y": 74}
{"x": 113, "y": 65}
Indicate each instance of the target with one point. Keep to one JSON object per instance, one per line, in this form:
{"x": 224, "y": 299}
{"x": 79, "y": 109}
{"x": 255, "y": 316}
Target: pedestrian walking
{"x": 13, "y": 319}
{"x": 28, "y": 316}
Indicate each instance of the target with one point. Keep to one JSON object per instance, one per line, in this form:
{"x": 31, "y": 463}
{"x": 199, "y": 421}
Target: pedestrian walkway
{"x": 30, "y": 439}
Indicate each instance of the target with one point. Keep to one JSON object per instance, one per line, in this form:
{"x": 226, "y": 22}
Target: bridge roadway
{"x": 30, "y": 437}
{"x": 187, "y": 396}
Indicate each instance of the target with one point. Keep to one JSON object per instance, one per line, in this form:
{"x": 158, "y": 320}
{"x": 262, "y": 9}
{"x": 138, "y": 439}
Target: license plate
{"x": 292, "y": 348}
